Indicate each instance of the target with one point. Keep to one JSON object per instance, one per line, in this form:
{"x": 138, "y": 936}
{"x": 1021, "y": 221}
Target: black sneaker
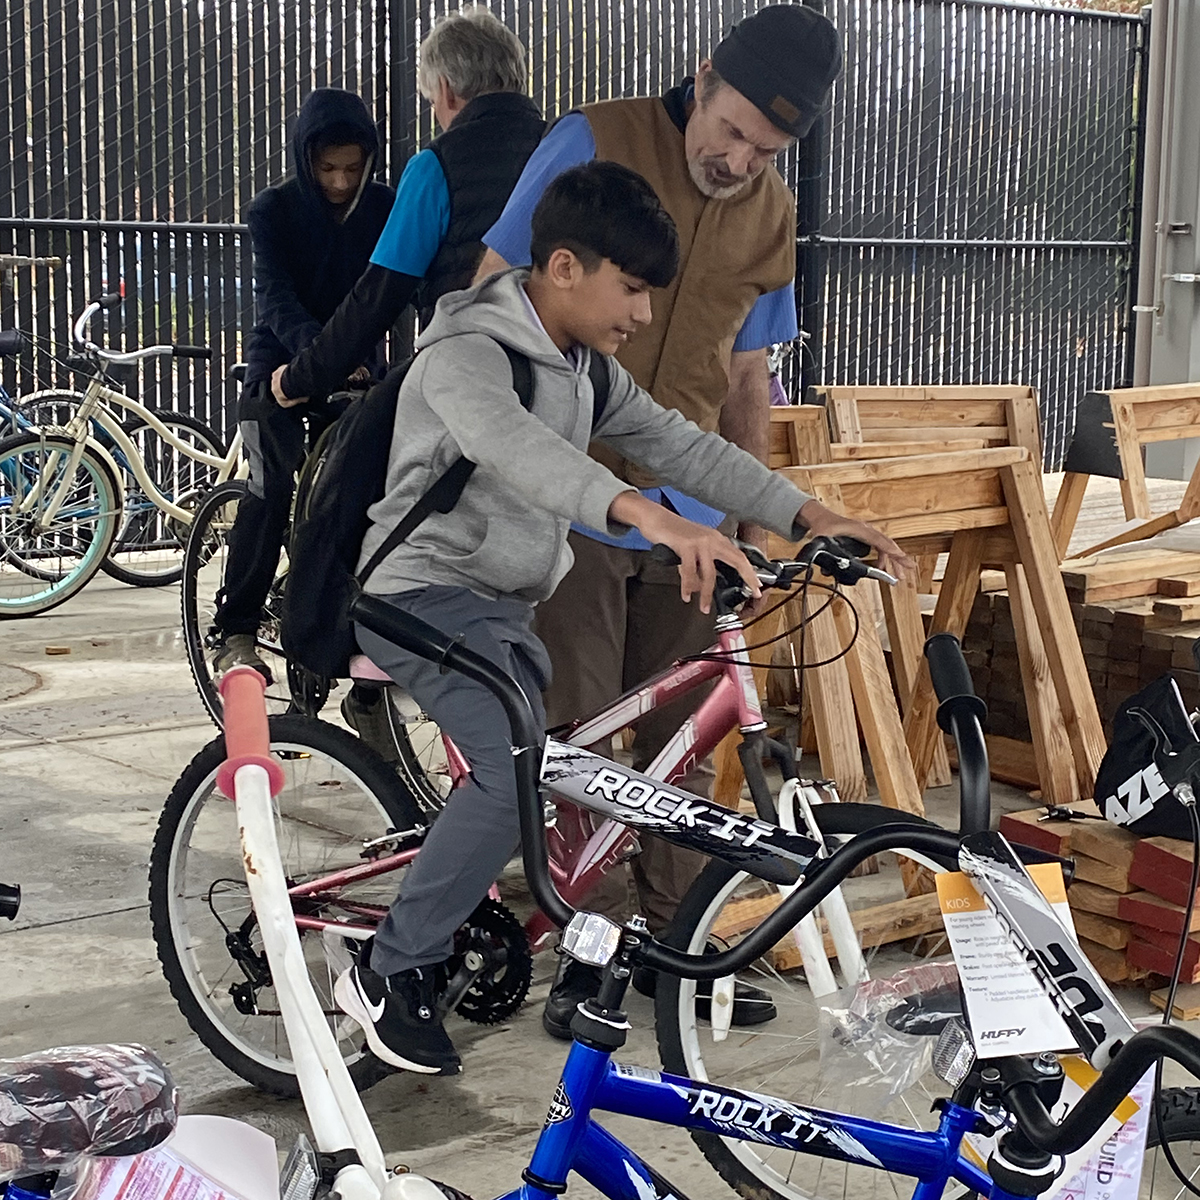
{"x": 239, "y": 650}
{"x": 398, "y": 1013}
{"x": 574, "y": 983}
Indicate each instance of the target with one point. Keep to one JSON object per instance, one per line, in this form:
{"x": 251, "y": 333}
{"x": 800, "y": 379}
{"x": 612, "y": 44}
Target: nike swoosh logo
{"x": 374, "y": 1011}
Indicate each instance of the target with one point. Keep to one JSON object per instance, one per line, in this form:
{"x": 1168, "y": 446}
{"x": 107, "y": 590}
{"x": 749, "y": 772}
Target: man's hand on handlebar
{"x": 281, "y": 397}
{"x": 824, "y": 522}
{"x": 698, "y": 547}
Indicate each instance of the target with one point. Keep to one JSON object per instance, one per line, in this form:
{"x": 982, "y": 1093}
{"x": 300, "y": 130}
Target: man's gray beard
{"x": 696, "y": 171}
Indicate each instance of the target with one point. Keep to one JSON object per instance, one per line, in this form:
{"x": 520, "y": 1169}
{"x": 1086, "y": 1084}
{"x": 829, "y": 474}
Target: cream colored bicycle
{"x": 113, "y": 486}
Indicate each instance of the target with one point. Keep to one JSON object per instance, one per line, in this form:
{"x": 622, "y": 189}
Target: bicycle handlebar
{"x": 111, "y": 300}
{"x": 961, "y": 713}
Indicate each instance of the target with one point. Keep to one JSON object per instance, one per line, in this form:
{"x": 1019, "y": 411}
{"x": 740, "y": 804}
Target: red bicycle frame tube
{"x": 581, "y": 853}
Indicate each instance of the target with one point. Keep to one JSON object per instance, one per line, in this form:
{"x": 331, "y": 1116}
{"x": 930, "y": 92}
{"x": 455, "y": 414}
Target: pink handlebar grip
{"x": 247, "y": 735}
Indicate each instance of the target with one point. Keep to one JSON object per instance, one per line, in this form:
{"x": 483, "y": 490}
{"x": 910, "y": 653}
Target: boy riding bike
{"x": 601, "y": 241}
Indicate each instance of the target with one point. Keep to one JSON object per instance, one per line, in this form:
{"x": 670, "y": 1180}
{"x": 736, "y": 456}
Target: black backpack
{"x": 344, "y": 475}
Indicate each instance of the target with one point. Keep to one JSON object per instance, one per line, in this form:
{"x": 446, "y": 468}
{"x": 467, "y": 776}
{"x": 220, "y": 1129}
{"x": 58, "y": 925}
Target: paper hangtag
{"x": 1009, "y": 1010}
{"x": 1109, "y": 1167}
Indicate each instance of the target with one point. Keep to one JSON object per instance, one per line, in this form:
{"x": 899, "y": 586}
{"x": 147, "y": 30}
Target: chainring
{"x": 500, "y": 990}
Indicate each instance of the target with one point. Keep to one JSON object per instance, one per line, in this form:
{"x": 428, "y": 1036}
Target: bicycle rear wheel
{"x": 205, "y": 558}
{"x": 45, "y": 561}
{"x": 337, "y": 796}
{"x": 148, "y": 551}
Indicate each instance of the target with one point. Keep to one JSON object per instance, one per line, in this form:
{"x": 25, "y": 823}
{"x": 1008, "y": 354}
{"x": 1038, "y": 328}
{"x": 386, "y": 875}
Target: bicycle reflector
{"x": 591, "y": 938}
{"x": 954, "y": 1054}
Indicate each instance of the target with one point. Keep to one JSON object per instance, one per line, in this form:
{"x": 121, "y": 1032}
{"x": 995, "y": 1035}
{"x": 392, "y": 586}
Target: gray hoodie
{"x": 507, "y": 536}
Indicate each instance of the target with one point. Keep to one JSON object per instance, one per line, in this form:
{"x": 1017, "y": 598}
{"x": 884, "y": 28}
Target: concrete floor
{"x": 90, "y": 743}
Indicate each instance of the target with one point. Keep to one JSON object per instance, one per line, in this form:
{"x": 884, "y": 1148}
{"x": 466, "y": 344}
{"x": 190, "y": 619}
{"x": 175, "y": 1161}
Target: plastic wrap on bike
{"x": 60, "y": 1105}
{"x": 602, "y": 786}
{"x": 877, "y": 1039}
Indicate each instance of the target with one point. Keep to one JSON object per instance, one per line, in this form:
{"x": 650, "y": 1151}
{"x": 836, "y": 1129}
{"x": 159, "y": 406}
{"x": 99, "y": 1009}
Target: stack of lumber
{"x": 1104, "y": 857}
{"x": 1162, "y": 868}
{"x": 1137, "y": 617}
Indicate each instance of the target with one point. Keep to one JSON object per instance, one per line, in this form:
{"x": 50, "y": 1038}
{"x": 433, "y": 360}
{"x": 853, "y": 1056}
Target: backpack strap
{"x": 600, "y": 373}
{"x": 445, "y": 491}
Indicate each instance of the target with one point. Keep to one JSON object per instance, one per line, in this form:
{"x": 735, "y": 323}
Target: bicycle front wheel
{"x": 780, "y": 1057}
{"x": 148, "y": 551}
{"x": 205, "y": 561}
{"x": 338, "y": 795}
{"x": 57, "y": 522}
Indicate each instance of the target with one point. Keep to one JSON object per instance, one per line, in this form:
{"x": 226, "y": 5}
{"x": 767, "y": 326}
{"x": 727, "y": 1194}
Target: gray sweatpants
{"x": 479, "y": 829}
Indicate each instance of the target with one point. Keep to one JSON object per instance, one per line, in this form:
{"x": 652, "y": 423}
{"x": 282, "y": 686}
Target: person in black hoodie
{"x": 312, "y": 237}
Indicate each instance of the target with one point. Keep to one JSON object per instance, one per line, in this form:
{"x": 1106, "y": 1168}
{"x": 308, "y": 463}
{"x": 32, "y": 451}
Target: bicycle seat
{"x": 57, "y": 1104}
{"x": 12, "y": 343}
{"x": 363, "y": 670}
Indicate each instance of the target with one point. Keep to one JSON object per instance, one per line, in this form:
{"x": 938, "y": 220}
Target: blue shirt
{"x": 417, "y": 224}
{"x": 569, "y": 143}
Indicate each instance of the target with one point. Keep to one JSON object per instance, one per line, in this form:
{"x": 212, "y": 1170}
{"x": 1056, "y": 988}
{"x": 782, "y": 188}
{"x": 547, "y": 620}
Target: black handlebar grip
{"x": 110, "y": 300}
{"x": 12, "y": 343}
{"x": 664, "y": 554}
{"x": 10, "y": 900}
{"x": 852, "y": 546}
{"x": 191, "y": 351}
{"x": 947, "y": 667}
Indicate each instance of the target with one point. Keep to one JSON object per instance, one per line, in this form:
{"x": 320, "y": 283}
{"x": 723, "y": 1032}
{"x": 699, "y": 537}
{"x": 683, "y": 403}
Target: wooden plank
{"x": 1140, "y": 533}
{"x": 1177, "y": 612}
{"x": 993, "y": 435}
{"x": 941, "y": 391}
{"x": 831, "y": 701}
{"x": 1133, "y": 487}
{"x": 1179, "y": 586}
{"x": 1187, "y": 1002}
{"x": 1090, "y": 897}
{"x": 1159, "y": 391}
{"x": 1031, "y": 531}
{"x": 1021, "y": 416}
{"x": 1077, "y": 573}
{"x": 876, "y": 500}
{"x": 878, "y": 715}
{"x": 1102, "y": 874}
{"x": 1111, "y": 964}
{"x": 1051, "y": 746}
{"x": 1109, "y": 843}
{"x": 950, "y": 614}
{"x": 1108, "y": 932}
{"x": 915, "y": 466}
{"x": 1028, "y": 828}
{"x": 855, "y": 452}
{"x": 906, "y": 633}
{"x": 908, "y": 414}
{"x": 843, "y": 420}
{"x": 1179, "y": 414}
{"x": 927, "y": 526}
{"x": 1143, "y": 908}
{"x": 1066, "y": 509}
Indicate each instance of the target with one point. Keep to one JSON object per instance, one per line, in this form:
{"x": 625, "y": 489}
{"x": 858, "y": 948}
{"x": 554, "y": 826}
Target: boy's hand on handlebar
{"x": 824, "y": 522}
{"x": 699, "y": 548}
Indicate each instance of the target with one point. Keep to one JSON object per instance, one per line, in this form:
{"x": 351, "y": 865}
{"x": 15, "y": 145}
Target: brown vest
{"x": 730, "y": 253}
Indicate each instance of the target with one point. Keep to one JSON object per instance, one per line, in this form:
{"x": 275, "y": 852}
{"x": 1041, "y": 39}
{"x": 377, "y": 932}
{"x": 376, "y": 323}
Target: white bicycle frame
{"x": 335, "y": 1111}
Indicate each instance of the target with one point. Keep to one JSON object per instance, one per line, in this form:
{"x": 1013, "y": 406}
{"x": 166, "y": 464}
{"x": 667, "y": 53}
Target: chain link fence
{"x": 964, "y": 217}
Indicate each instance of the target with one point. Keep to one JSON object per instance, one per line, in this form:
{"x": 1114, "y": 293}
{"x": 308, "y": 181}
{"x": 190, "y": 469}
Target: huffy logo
{"x": 1001, "y": 1033}
{"x": 618, "y": 788}
{"x": 560, "y": 1106}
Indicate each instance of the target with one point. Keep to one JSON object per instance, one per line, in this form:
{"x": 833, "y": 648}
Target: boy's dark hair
{"x": 341, "y": 134}
{"x": 603, "y": 210}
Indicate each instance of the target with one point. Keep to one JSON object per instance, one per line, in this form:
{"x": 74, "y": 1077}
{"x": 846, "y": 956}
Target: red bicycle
{"x": 348, "y": 822}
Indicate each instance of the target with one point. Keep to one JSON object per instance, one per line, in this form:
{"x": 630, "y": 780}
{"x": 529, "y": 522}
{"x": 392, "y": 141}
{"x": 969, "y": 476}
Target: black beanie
{"x": 784, "y": 60}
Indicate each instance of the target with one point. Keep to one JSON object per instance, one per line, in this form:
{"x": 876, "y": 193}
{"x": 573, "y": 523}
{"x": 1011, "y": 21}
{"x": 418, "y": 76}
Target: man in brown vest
{"x": 707, "y": 149}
